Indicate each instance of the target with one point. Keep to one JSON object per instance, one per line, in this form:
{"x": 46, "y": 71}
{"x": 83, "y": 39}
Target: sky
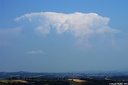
{"x": 63, "y": 35}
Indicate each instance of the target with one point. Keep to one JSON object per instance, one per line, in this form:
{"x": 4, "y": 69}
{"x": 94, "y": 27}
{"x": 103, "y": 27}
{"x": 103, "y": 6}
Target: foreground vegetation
{"x": 27, "y": 78}
{"x": 42, "y": 81}
{"x": 38, "y": 81}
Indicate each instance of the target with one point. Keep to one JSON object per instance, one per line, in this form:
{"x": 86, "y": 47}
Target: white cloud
{"x": 80, "y": 25}
{"x": 42, "y": 30}
{"x": 36, "y": 52}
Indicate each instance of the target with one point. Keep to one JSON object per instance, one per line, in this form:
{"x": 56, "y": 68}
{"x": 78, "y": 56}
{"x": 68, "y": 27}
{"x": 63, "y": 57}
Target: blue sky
{"x": 63, "y": 35}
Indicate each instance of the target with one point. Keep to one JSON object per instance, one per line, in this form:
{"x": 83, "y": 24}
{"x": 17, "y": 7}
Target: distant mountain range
{"x": 25, "y": 74}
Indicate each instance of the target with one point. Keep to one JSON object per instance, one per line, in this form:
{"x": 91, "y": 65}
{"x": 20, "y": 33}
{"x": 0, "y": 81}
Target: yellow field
{"x": 21, "y": 81}
{"x": 77, "y": 80}
{"x": 13, "y": 81}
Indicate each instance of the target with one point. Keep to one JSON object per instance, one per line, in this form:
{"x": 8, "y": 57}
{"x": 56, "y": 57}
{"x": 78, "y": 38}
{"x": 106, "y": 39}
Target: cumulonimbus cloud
{"x": 78, "y": 24}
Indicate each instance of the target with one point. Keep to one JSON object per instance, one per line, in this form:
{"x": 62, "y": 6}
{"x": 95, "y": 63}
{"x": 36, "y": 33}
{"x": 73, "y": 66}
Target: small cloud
{"x": 10, "y": 31}
{"x": 6, "y": 34}
{"x": 36, "y": 52}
